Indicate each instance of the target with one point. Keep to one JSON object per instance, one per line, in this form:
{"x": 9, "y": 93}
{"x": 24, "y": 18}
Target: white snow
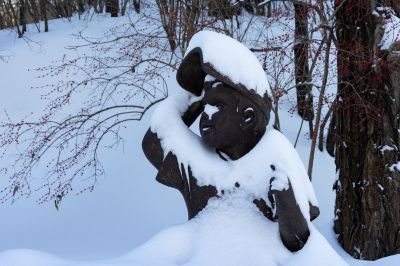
{"x": 392, "y": 30}
{"x": 210, "y": 110}
{"x": 209, "y": 78}
{"x": 20, "y": 257}
{"x": 232, "y": 59}
{"x": 395, "y": 166}
{"x": 230, "y": 231}
{"x": 387, "y": 148}
{"x": 280, "y": 181}
{"x": 219, "y": 235}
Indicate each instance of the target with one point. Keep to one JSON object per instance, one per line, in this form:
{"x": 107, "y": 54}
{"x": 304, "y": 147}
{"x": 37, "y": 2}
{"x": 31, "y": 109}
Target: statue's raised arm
{"x": 151, "y": 143}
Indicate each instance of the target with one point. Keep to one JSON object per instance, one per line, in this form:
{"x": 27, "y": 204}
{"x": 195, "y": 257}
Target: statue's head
{"x": 236, "y": 92}
{"x": 231, "y": 122}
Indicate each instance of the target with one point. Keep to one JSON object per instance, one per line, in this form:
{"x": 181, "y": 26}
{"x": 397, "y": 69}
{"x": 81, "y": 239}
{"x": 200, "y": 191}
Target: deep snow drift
{"x": 229, "y": 231}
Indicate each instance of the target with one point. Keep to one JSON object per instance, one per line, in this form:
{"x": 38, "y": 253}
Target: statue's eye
{"x": 219, "y": 105}
{"x": 249, "y": 115}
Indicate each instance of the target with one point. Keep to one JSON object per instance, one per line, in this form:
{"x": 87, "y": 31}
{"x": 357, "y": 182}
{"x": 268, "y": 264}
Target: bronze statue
{"x": 233, "y": 131}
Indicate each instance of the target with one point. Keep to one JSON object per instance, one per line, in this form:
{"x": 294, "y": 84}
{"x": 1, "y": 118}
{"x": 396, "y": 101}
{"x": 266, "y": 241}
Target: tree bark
{"x": 168, "y": 15}
{"x": 108, "y": 6}
{"x": 124, "y": 6}
{"x": 15, "y": 19}
{"x": 22, "y": 15}
{"x": 222, "y": 9}
{"x": 366, "y": 135}
{"x": 302, "y": 72}
{"x": 136, "y": 5}
{"x": 112, "y": 7}
{"x": 43, "y": 13}
{"x": 81, "y": 6}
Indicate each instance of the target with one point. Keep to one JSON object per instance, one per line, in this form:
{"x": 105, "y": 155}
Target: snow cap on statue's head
{"x": 226, "y": 59}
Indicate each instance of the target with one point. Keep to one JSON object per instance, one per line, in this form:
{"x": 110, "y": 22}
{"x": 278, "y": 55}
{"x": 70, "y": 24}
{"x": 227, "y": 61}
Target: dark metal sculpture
{"x": 233, "y": 131}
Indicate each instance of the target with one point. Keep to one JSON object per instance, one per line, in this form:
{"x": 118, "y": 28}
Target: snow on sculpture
{"x": 236, "y": 169}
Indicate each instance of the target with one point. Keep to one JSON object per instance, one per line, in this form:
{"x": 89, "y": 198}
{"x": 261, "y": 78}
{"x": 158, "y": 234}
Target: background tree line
{"x": 18, "y": 13}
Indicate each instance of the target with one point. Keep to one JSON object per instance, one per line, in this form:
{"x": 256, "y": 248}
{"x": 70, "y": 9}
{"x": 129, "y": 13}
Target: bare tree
{"x": 302, "y": 71}
{"x": 136, "y": 5}
{"x": 43, "y": 12}
{"x": 121, "y": 77}
{"x": 124, "y": 6}
{"x": 364, "y": 131}
{"x": 22, "y": 15}
{"x": 19, "y": 13}
{"x": 112, "y": 7}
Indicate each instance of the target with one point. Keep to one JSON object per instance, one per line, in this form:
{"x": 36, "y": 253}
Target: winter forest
{"x": 110, "y": 109}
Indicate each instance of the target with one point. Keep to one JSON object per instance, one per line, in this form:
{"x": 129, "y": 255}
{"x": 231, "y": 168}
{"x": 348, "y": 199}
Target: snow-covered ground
{"x": 128, "y": 206}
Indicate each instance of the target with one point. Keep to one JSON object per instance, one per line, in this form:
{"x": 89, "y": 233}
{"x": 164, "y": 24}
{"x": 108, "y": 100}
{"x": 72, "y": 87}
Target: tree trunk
{"x": 67, "y": 9}
{"x": 136, "y": 5}
{"x": 190, "y": 20}
{"x": 15, "y": 19}
{"x": 124, "y": 6}
{"x": 114, "y": 8}
{"x": 366, "y": 136}
{"x": 33, "y": 11}
{"x": 22, "y": 15}
{"x": 43, "y": 13}
{"x": 108, "y": 6}
{"x": 81, "y": 6}
{"x": 395, "y": 5}
{"x": 222, "y": 9}
{"x": 168, "y": 14}
{"x": 302, "y": 72}
{"x": 99, "y": 6}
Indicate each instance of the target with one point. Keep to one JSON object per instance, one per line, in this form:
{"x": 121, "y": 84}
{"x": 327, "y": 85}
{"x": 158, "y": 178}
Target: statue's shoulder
{"x": 176, "y": 175}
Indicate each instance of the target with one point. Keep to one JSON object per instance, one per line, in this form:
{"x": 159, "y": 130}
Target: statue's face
{"x": 228, "y": 120}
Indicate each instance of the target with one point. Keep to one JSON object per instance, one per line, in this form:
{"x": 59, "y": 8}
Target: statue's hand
{"x": 191, "y": 114}
{"x": 293, "y": 227}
